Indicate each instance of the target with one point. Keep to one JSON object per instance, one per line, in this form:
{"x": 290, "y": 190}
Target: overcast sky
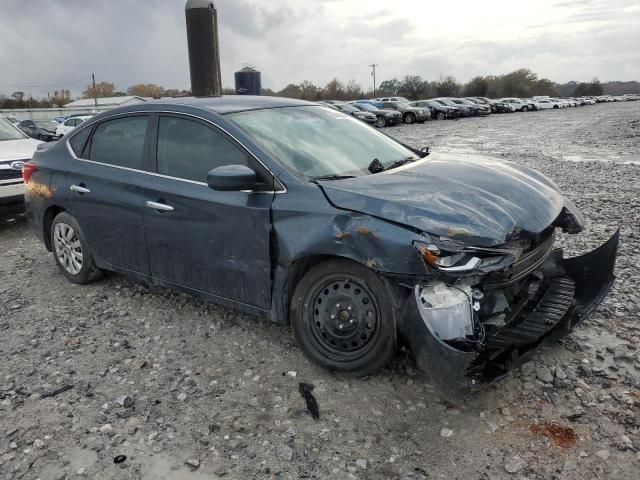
{"x": 54, "y": 43}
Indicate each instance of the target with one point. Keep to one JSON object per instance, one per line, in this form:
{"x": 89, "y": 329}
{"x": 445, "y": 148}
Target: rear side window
{"x": 78, "y": 141}
{"x": 120, "y": 142}
{"x": 189, "y": 149}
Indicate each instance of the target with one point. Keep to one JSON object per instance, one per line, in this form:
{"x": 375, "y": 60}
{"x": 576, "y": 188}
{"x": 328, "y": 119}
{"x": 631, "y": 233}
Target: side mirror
{"x": 231, "y": 178}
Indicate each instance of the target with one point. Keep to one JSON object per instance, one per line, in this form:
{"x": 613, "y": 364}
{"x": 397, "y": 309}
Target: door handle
{"x": 79, "y": 189}
{"x": 160, "y": 206}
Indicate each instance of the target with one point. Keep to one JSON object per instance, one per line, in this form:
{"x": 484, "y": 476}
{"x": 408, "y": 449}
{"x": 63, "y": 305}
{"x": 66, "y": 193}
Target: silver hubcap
{"x": 68, "y": 248}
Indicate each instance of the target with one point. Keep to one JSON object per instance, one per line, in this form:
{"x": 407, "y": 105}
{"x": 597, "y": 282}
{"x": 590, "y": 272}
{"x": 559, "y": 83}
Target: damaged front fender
{"x": 572, "y": 289}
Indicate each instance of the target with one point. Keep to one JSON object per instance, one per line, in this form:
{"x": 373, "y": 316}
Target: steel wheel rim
{"x": 344, "y": 317}
{"x": 68, "y": 248}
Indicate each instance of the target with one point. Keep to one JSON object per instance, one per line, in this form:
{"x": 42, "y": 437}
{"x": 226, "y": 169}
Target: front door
{"x": 105, "y": 190}
{"x": 212, "y": 241}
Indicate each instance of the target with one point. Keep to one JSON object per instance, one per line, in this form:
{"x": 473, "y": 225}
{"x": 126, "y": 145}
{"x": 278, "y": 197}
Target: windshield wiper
{"x": 400, "y": 162}
{"x": 332, "y": 177}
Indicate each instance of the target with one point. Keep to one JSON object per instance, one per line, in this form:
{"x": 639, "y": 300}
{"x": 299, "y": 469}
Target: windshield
{"x": 368, "y": 107}
{"x": 318, "y": 142}
{"x": 347, "y": 108}
{"x": 8, "y": 131}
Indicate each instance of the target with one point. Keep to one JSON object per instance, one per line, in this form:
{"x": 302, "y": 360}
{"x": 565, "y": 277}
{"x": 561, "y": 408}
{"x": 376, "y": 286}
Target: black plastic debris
{"x": 312, "y": 404}
{"x": 56, "y": 392}
{"x": 119, "y": 458}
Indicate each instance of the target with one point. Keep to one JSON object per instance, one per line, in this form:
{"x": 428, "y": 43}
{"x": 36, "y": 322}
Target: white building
{"x": 106, "y": 102}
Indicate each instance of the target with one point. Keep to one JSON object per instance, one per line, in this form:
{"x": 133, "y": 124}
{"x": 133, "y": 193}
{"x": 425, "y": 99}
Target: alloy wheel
{"x": 68, "y": 248}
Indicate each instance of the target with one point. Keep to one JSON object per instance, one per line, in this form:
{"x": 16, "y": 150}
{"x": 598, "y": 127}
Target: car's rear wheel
{"x": 381, "y": 121}
{"x": 524, "y": 109}
{"x": 71, "y": 251}
{"x": 409, "y": 118}
{"x": 342, "y": 318}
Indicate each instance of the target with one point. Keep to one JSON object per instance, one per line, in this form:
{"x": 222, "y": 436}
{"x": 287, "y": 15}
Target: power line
{"x": 45, "y": 86}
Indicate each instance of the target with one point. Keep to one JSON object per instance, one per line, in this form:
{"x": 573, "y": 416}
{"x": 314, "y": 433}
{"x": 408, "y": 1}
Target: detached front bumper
{"x": 573, "y": 288}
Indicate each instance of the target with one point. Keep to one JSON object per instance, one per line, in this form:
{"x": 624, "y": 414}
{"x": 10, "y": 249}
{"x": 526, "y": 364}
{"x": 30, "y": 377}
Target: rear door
{"x": 105, "y": 189}
{"x": 212, "y": 241}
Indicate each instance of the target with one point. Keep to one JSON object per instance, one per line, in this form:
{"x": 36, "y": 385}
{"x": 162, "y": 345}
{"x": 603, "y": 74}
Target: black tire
{"x": 381, "y": 121}
{"x": 524, "y": 109}
{"x": 342, "y": 318}
{"x": 440, "y": 116}
{"x": 409, "y": 118}
{"x": 66, "y": 247}
{"x": 556, "y": 106}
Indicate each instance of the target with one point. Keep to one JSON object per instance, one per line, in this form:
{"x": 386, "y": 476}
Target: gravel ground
{"x": 213, "y": 393}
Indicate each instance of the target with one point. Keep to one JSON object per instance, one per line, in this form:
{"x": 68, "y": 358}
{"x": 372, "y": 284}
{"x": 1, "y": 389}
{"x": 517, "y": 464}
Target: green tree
{"x": 291, "y": 91}
{"x": 414, "y": 87}
{"x": 476, "y": 87}
{"x": 592, "y": 88}
{"x": 389, "y": 87}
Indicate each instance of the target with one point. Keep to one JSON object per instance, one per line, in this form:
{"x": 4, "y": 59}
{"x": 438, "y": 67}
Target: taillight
{"x": 27, "y": 170}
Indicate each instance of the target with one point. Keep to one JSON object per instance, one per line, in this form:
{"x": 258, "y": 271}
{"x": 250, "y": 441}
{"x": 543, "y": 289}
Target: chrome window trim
{"x": 140, "y": 112}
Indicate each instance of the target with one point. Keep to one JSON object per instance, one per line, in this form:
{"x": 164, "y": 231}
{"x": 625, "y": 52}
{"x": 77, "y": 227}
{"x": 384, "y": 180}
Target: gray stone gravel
{"x": 214, "y": 393}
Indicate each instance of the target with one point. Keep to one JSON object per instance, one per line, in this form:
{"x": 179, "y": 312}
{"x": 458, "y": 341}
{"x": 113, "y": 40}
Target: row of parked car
{"x": 47, "y": 130}
{"x": 386, "y": 111}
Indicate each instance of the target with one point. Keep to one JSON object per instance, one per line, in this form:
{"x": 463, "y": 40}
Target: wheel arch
{"x": 50, "y": 213}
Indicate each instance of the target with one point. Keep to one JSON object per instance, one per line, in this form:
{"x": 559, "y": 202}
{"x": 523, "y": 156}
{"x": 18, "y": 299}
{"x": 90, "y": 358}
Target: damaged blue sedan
{"x": 298, "y": 212}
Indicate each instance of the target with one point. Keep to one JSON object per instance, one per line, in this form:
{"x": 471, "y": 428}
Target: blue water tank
{"x": 248, "y": 81}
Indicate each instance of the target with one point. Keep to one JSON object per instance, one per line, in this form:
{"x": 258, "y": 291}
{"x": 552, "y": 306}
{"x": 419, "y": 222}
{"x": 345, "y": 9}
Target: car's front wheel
{"x": 524, "y": 109}
{"x": 381, "y": 121}
{"x": 440, "y": 116}
{"x": 71, "y": 250}
{"x": 342, "y": 318}
{"x": 409, "y": 118}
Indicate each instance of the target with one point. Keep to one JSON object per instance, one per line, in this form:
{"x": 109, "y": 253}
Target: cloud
{"x": 124, "y": 41}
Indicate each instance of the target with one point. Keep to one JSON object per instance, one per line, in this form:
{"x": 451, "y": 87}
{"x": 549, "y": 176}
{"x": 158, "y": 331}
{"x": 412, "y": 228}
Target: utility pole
{"x": 95, "y": 95}
{"x": 373, "y": 66}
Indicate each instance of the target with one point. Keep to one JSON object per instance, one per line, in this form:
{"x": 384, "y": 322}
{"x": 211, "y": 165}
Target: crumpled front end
{"x": 469, "y": 331}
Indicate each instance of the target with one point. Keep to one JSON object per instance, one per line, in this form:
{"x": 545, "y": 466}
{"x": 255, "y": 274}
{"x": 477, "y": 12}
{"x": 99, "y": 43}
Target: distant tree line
{"x": 519, "y": 83}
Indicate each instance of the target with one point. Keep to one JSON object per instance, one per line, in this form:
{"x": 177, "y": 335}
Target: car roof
{"x": 233, "y": 103}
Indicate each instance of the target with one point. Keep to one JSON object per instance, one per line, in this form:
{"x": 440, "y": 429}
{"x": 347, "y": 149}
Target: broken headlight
{"x": 459, "y": 258}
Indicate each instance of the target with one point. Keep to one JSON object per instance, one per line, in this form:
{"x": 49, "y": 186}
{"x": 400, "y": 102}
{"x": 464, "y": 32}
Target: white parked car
{"x": 15, "y": 149}
{"x": 392, "y": 99}
{"x": 518, "y": 104}
{"x": 546, "y": 103}
{"x": 69, "y": 124}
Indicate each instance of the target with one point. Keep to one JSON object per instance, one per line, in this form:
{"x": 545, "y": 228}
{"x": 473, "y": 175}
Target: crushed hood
{"x": 473, "y": 199}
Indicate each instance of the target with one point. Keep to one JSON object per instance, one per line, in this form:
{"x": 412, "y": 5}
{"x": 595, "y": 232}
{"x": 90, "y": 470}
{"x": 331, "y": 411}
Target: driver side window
{"x": 189, "y": 149}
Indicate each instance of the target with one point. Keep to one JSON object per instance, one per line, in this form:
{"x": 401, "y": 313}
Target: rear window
{"x": 120, "y": 142}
